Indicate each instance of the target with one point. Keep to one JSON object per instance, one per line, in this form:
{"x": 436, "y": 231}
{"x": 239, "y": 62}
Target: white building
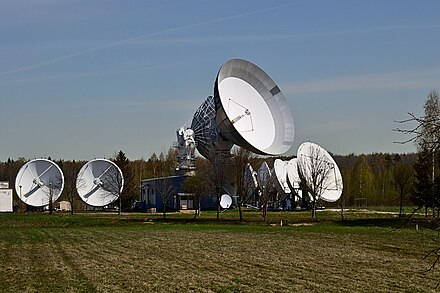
{"x": 5, "y": 197}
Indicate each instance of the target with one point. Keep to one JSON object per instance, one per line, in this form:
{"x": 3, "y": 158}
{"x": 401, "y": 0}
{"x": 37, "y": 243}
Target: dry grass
{"x": 113, "y": 255}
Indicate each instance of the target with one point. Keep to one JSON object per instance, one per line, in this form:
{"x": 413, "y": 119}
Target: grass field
{"x": 368, "y": 252}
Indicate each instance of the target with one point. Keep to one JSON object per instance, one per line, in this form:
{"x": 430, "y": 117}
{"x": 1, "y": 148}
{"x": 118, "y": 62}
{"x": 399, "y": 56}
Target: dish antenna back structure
{"x": 99, "y": 182}
{"x": 319, "y": 171}
{"x": 248, "y": 109}
{"x": 38, "y": 181}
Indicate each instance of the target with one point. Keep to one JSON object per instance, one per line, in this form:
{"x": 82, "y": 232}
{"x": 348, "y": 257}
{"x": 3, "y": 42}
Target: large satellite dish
{"x": 247, "y": 109}
{"x": 38, "y": 181}
{"x": 318, "y": 168}
{"x": 251, "y": 110}
{"x": 206, "y": 132}
{"x": 99, "y": 182}
{"x": 280, "y": 170}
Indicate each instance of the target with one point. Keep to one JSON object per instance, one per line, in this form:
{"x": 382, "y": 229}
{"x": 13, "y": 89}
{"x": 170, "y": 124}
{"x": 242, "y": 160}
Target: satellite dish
{"x": 225, "y": 201}
{"x": 206, "y": 132}
{"x": 99, "y": 182}
{"x": 316, "y": 165}
{"x": 39, "y": 180}
{"x": 264, "y": 175}
{"x": 293, "y": 178}
{"x": 250, "y": 178}
{"x": 280, "y": 168}
{"x": 247, "y": 109}
{"x": 251, "y": 111}
{"x": 292, "y": 173}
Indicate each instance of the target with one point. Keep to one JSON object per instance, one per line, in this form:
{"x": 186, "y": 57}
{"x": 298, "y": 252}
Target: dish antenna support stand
{"x": 186, "y": 146}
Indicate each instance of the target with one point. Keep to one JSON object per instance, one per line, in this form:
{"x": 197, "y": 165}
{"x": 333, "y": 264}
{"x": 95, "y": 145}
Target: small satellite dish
{"x": 280, "y": 168}
{"x": 225, "y": 201}
{"x": 251, "y": 110}
{"x": 99, "y": 182}
{"x": 316, "y": 165}
{"x": 39, "y": 180}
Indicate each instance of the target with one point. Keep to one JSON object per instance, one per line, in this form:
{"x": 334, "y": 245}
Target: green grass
{"x": 107, "y": 252}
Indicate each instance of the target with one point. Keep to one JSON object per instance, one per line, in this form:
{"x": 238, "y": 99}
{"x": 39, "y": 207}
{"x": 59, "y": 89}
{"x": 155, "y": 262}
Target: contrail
{"x": 120, "y": 42}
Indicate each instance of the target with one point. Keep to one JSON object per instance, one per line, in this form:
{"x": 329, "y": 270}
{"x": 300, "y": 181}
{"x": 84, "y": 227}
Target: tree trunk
{"x": 314, "y": 214}
{"x": 265, "y": 212}
{"x": 218, "y": 205}
{"x": 197, "y": 208}
{"x": 401, "y": 205}
{"x": 240, "y": 211}
{"x": 71, "y": 206}
{"x": 120, "y": 205}
{"x": 342, "y": 208}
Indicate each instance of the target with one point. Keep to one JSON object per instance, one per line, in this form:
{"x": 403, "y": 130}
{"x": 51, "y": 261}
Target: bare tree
{"x": 266, "y": 188}
{"x": 112, "y": 184}
{"x": 219, "y": 174}
{"x": 198, "y": 186}
{"x": 130, "y": 193}
{"x": 70, "y": 170}
{"x": 426, "y": 132}
{"x": 315, "y": 172}
{"x": 402, "y": 181}
{"x": 166, "y": 189}
{"x": 242, "y": 157}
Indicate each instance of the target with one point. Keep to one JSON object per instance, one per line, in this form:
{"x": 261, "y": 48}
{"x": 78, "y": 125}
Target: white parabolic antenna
{"x": 225, "y": 201}
{"x": 293, "y": 177}
{"x": 316, "y": 165}
{"x": 251, "y": 110}
{"x": 39, "y": 180}
{"x": 99, "y": 182}
{"x": 292, "y": 173}
{"x": 280, "y": 168}
{"x": 264, "y": 175}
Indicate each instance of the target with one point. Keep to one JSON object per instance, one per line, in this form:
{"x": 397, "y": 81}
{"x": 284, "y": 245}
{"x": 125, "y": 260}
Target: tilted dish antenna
{"x": 264, "y": 175}
{"x": 280, "y": 170}
{"x": 226, "y": 201}
{"x": 293, "y": 177}
{"x": 250, "y": 178}
{"x": 248, "y": 109}
{"x": 252, "y": 112}
{"x": 38, "y": 181}
{"x": 99, "y": 182}
{"x": 315, "y": 164}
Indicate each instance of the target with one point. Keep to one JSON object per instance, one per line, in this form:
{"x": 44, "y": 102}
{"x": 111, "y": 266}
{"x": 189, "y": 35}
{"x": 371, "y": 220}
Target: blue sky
{"x": 83, "y": 79}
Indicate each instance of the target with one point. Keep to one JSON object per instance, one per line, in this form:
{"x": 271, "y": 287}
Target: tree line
{"x": 369, "y": 179}
{"x": 377, "y": 179}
